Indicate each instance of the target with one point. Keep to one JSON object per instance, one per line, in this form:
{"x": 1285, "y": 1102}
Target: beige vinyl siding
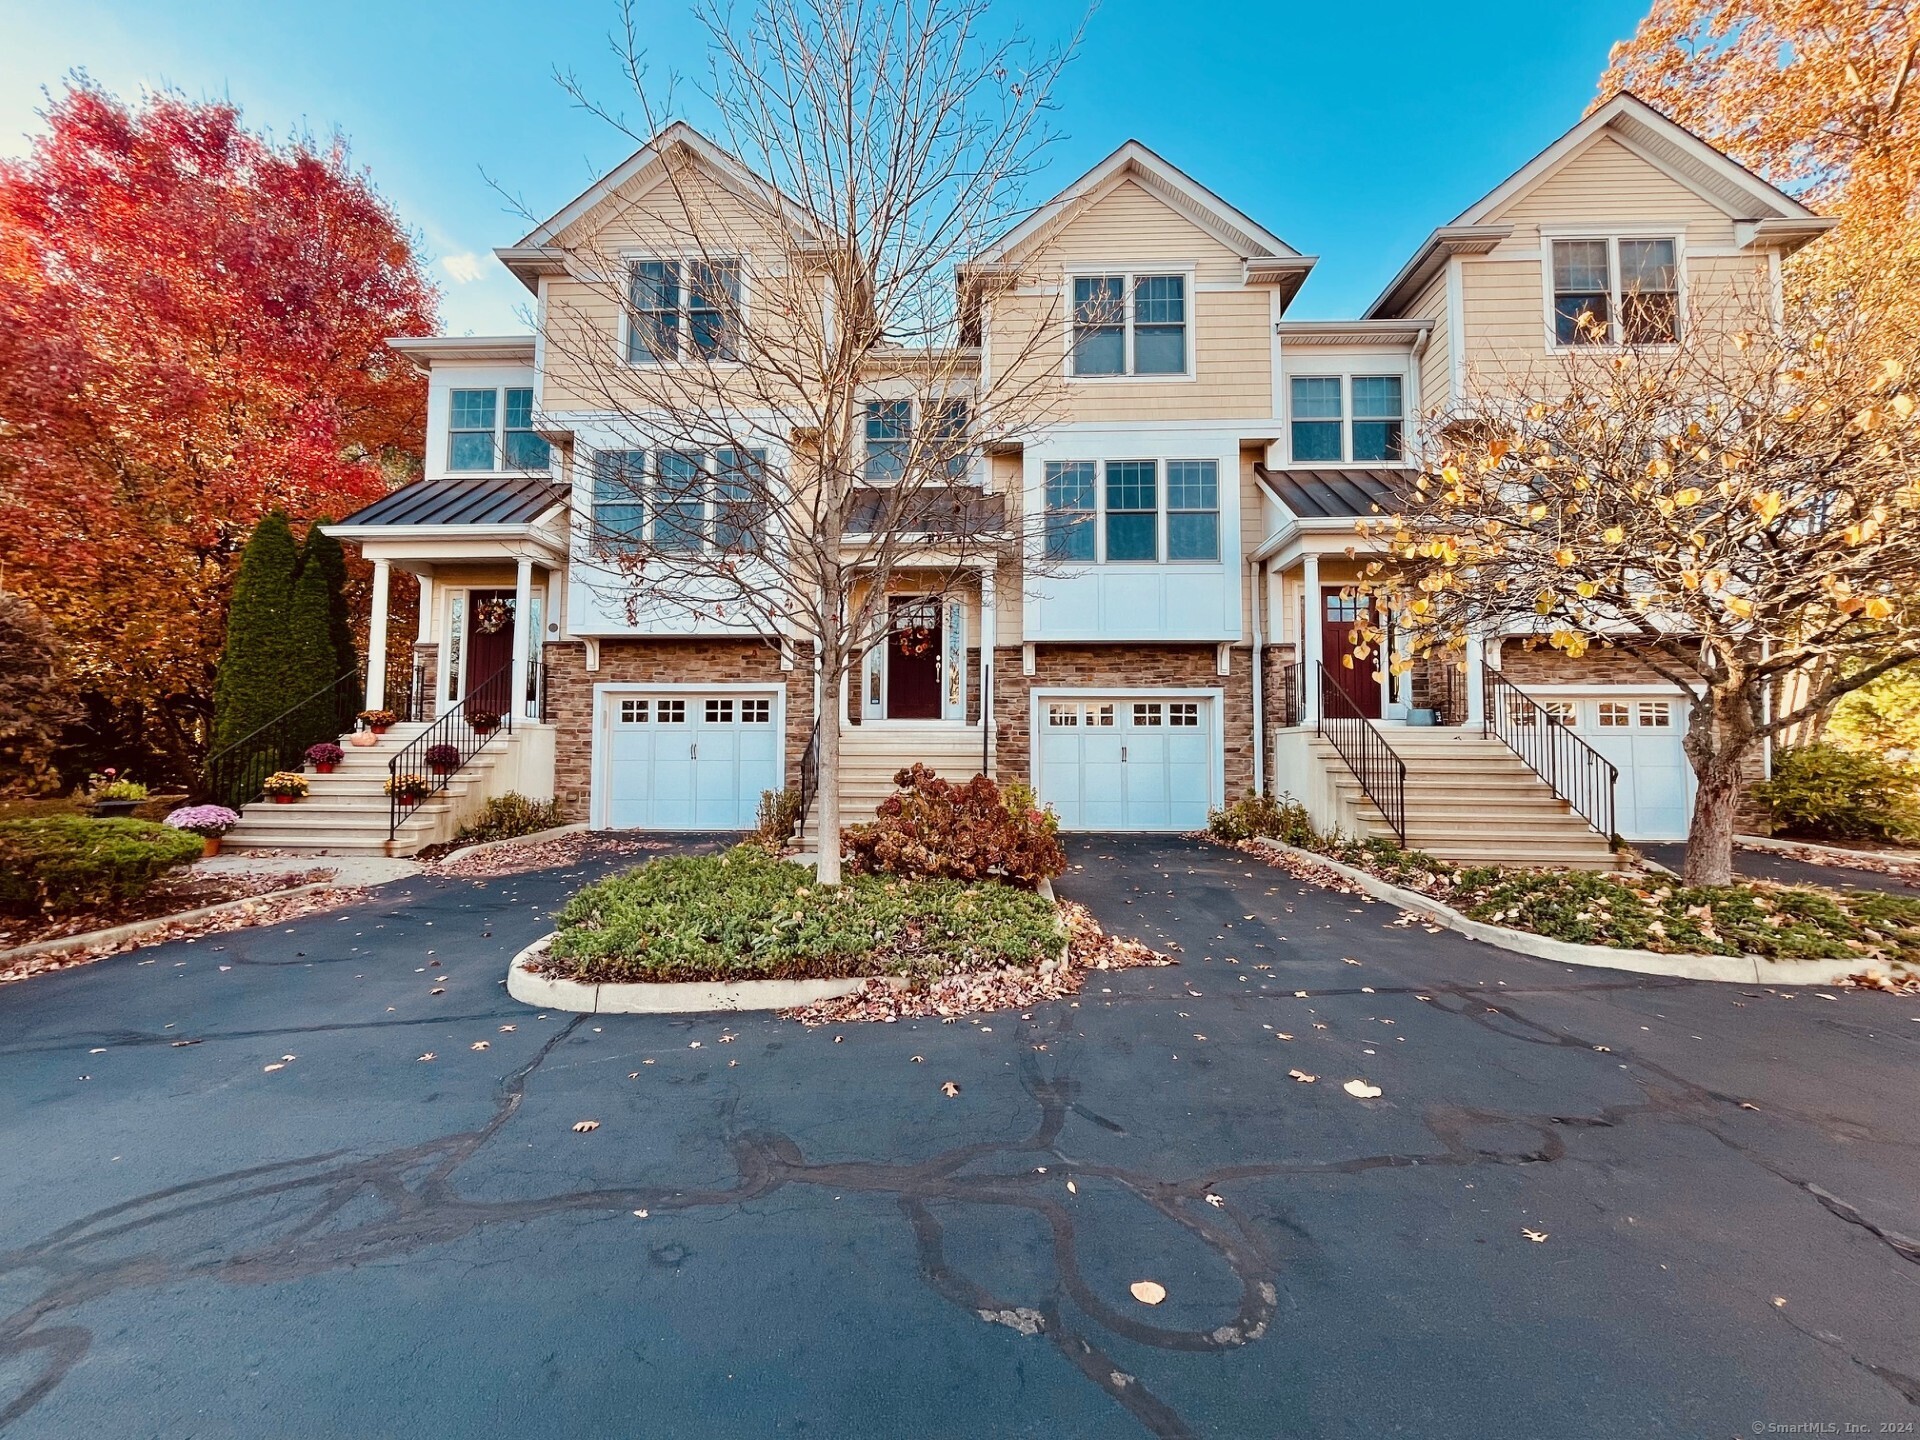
{"x": 1009, "y": 597}
{"x": 1436, "y": 365}
{"x": 1128, "y": 228}
{"x": 1608, "y": 185}
{"x": 1252, "y": 532}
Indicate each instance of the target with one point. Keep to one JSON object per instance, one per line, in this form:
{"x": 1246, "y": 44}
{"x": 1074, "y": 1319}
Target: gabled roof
{"x": 496, "y": 500}
{"x": 1766, "y": 212}
{"x": 1268, "y": 258}
{"x": 540, "y": 251}
{"x": 1344, "y": 494}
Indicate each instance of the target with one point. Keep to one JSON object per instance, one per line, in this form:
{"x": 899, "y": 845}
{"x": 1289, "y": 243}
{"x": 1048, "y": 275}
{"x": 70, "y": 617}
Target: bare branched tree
{"x": 1738, "y": 510}
{"x": 731, "y": 327}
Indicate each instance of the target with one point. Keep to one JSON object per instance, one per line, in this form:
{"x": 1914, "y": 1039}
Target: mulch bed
{"x": 1090, "y": 949}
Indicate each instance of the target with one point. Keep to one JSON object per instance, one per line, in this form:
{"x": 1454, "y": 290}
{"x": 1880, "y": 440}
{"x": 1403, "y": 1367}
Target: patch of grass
{"x": 746, "y": 915}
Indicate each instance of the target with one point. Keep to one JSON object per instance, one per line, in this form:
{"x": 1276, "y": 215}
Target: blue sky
{"x": 1348, "y": 131}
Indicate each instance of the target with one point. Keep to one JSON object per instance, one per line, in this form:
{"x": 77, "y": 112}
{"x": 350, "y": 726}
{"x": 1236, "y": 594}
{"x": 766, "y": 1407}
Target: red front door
{"x": 913, "y": 659}
{"x": 1339, "y": 639}
{"x": 489, "y": 650}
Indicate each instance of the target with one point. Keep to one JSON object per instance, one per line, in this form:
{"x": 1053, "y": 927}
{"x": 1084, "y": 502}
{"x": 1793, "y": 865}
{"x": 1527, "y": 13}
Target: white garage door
{"x": 1654, "y": 794}
{"x": 1126, "y": 762}
{"x": 688, "y": 761}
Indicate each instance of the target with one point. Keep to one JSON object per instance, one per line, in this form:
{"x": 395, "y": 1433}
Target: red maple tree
{"x": 192, "y": 333}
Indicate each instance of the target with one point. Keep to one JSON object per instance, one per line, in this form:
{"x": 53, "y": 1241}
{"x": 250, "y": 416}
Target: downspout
{"x": 1258, "y": 604}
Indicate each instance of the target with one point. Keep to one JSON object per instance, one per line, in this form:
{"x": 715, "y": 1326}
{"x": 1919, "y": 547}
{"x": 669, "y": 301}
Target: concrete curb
{"x": 481, "y": 847}
{"x": 1840, "y": 853}
{"x": 670, "y": 997}
{"x": 135, "y": 929}
{"x": 1736, "y": 969}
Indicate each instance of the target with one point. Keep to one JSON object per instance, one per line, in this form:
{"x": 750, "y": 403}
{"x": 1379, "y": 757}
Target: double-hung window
{"x": 1070, "y": 510}
{"x": 945, "y": 425}
{"x": 1129, "y": 325}
{"x": 1616, "y": 291}
{"x": 682, "y": 310}
{"x": 1341, "y": 418}
{"x": 470, "y": 444}
{"x": 1133, "y": 510}
{"x": 1193, "y": 510}
{"x": 889, "y": 439}
{"x": 738, "y": 482}
{"x": 619, "y": 498}
{"x": 680, "y": 486}
{"x": 484, "y": 434}
{"x": 525, "y": 450}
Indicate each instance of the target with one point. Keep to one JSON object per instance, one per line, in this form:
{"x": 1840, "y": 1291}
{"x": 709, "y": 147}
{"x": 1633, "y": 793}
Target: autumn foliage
{"x": 193, "y": 326}
{"x": 969, "y": 831}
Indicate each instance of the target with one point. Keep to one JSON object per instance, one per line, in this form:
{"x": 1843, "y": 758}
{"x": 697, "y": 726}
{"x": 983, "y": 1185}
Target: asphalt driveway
{"x": 397, "y": 1231}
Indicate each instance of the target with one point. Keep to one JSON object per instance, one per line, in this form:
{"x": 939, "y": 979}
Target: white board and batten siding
{"x": 1145, "y": 761}
{"x": 685, "y": 757}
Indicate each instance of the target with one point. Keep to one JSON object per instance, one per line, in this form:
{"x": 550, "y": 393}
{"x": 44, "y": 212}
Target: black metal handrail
{"x": 1573, "y": 769}
{"x": 234, "y": 774}
{"x": 809, "y": 777}
{"x": 453, "y": 728}
{"x": 1381, "y": 772}
{"x": 1289, "y": 688}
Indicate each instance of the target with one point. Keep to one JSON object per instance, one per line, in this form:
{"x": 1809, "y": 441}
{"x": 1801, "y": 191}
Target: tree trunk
{"x": 1710, "y": 832}
{"x": 826, "y": 795}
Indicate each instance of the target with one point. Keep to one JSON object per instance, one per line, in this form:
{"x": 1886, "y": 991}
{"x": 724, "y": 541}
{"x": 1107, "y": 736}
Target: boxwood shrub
{"x": 746, "y": 915}
{"x": 54, "y": 864}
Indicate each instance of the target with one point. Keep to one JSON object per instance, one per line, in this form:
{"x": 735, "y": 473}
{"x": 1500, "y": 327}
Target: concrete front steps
{"x": 1471, "y": 800}
{"x": 346, "y": 813}
{"x": 871, "y": 755}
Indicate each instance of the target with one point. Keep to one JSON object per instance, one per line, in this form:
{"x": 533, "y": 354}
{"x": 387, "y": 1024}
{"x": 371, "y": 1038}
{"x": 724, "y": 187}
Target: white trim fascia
{"x": 596, "y": 775}
{"x": 526, "y": 530}
{"x": 427, "y": 350}
{"x": 1134, "y": 161}
{"x": 1217, "y": 777}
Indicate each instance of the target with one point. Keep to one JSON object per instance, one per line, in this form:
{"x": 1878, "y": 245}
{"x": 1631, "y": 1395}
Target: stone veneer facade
{"x": 660, "y": 662}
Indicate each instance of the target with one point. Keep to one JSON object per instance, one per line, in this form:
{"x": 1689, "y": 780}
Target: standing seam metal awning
{"x": 497, "y": 500}
{"x": 1337, "y": 494}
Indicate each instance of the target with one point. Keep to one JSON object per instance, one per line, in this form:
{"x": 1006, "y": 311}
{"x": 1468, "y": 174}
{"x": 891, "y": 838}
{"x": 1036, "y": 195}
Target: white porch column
{"x": 1310, "y": 641}
{"x": 987, "y": 640}
{"x": 425, "y": 632}
{"x": 377, "y": 637}
{"x": 522, "y": 640}
{"x": 1476, "y": 686}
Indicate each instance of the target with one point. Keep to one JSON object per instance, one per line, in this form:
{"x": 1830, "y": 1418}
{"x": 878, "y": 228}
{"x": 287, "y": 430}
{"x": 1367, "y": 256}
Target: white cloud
{"x": 464, "y": 267}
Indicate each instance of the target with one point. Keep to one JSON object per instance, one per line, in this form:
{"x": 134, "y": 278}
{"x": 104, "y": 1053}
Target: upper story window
{"x": 890, "y": 438}
{"x": 1129, "y": 325}
{"x": 681, "y": 502}
{"x": 682, "y": 310}
{"x": 1616, "y": 290}
{"x": 1130, "y": 516}
{"x": 1327, "y": 429}
{"x": 485, "y": 434}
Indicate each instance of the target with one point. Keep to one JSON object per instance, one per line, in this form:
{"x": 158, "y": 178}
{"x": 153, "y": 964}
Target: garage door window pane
{"x": 1656, "y": 715}
{"x": 719, "y": 712}
{"x": 1146, "y": 715}
{"x": 1063, "y": 717}
{"x": 1100, "y": 716}
{"x": 756, "y": 712}
{"x": 1184, "y": 713}
{"x": 1613, "y": 715}
{"x": 633, "y": 712}
{"x": 673, "y": 712}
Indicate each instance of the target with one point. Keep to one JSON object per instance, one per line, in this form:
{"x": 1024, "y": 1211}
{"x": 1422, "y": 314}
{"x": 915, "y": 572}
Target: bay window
{"x": 1117, "y": 511}
{"x": 619, "y": 509}
{"x": 694, "y": 502}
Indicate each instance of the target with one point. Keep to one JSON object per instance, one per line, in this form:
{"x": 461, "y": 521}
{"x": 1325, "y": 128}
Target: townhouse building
{"x": 1174, "y": 622}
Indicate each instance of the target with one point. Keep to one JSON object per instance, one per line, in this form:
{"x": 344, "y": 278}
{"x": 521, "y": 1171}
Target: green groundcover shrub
{"x": 747, "y": 915}
{"x": 1824, "y": 792}
{"x": 508, "y": 816}
{"x": 54, "y": 864}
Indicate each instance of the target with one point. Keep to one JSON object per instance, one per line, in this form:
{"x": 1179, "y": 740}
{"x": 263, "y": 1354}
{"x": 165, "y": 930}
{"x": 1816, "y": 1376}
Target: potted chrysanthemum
{"x": 378, "y": 721}
{"x": 285, "y": 786}
{"x": 443, "y": 759}
{"x": 409, "y": 790}
{"x": 324, "y": 756}
{"x": 209, "y": 822}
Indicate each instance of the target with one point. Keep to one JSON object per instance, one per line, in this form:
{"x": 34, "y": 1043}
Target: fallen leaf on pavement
{"x": 271, "y": 1068}
{"x": 1148, "y": 1292}
{"x": 949, "y": 1089}
{"x": 1537, "y": 1236}
{"x": 1303, "y": 1077}
{"x": 639, "y": 1214}
{"x": 1360, "y": 1090}
{"x": 1216, "y": 1202}
{"x": 1281, "y": 1035}
{"x": 506, "y": 1029}
{"x": 478, "y": 1045}
{"x": 429, "y": 1056}
{"x": 581, "y": 1127}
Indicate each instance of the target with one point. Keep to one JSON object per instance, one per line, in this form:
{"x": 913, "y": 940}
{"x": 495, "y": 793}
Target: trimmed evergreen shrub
{"x": 325, "y": 551}
{"x": 53, "y": 864}
{"x": 310, "y": 658}
{"x": 251, "y": 687}
{"x": 1824, "y": 792}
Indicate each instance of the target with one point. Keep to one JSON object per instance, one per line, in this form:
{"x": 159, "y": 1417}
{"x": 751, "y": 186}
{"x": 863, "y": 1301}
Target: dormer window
{"x": 1337, "y": 419}
{"x": 1616, "y": 290}
{"x": 682, "y": 310}
{"x": 1129, "y": 325}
